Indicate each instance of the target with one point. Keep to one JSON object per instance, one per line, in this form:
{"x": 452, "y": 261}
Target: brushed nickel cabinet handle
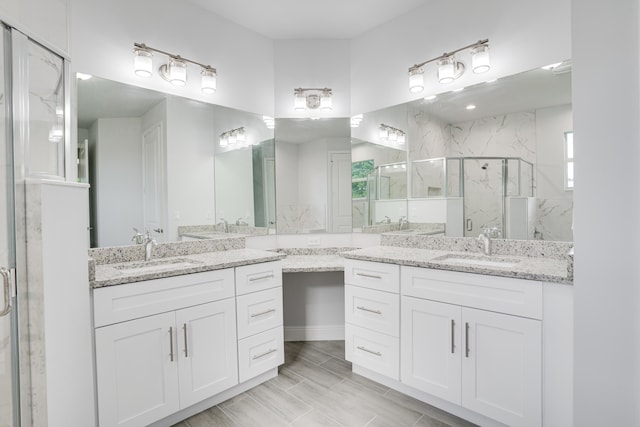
{"x": 266, "y": 276}
{"x": 369, "y": 310}
{"x": 466, "y": 339}
{"x": 6, "y": 285}
{"x": 258, "y": 356}
{"x": 186, "y": 349}
{"x": 372, "y": 276}
{"x": 271, "y": 310}
{"x": 453, "y": 336}
{"x": 377, "y": 353}
{"x": 171, "y": 343}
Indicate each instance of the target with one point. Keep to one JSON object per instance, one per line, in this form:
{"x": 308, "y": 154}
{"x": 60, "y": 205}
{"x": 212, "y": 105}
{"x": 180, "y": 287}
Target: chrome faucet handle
{"x": 138, "y": 238}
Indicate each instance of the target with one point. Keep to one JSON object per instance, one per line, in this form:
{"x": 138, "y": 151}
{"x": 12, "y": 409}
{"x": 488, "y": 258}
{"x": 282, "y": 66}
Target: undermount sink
{"x": 480, "y": 261}
{"x": 156, "y": 265}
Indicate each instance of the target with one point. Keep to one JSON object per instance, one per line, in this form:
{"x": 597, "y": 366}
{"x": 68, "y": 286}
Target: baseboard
{"x": 314, "y": 333}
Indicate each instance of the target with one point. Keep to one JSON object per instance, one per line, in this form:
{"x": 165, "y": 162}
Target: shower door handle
{"x": 6, "y": 287}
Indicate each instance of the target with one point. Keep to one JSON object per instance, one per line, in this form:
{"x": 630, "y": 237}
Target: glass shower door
{"x": 8, "y": 325}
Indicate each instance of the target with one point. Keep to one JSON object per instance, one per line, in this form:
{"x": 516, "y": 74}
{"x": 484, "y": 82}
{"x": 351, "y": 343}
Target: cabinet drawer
{"x": 372, "y": 350}
{"x": 371, "y": 309}
{"x": 257, "y": 277}
{"x": 501, "y": 294}
{"x": 259, "y": 353}
{"x": 259, "y": 311}
{"x": 119, "y": 303}
{"x": 373, "y": 275}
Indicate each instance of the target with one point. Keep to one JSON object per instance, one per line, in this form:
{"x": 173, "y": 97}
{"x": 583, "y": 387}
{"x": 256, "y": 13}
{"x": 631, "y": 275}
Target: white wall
{"x": 607, "y": 208}
{"x": 522, "y": 36}
{"x": 312, "y": 64}
{"x": 190, "y": 179}
{"x": 103, "y": 33}
{"x": 118, "y": 190}
{"x": 45, "y": 21}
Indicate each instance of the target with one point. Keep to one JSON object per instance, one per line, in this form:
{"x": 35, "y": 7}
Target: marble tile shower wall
{"x": 300, "y": 218}
{"x": 509, "y": 135}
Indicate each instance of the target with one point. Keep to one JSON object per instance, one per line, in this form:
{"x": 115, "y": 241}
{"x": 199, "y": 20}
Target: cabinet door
{"x": 502, "y": 373}
{"x": 137, "y": 371}
{"x": 431, "y": 347}
{"x": 208, "y": 353}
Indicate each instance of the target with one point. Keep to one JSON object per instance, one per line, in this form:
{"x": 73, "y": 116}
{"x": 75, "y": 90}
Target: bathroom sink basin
{"x": 479, "y": 261}
{"x": 156, "y": 265}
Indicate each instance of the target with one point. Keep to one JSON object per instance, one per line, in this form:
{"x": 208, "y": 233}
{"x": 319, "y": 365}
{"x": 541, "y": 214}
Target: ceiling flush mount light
{"x": 317, "y": 98}
{"x": 174, "y": 71}
{"x": 450, "y": 68}
{"x": 391, "y": 134}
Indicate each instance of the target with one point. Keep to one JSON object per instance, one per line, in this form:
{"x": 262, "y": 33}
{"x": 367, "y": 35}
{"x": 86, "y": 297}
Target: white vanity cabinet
{"x": 475, "y": 341}
{"x": 372, "y": 316}
{"x": 149, "y": 365}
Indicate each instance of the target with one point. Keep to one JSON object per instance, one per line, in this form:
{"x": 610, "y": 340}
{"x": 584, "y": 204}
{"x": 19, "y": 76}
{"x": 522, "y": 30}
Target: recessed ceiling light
{"x": 430, "y": 97}
{"x": 458, "y": 90}
{"x": 491, "y": 81}
{"x": 470, "y": 107}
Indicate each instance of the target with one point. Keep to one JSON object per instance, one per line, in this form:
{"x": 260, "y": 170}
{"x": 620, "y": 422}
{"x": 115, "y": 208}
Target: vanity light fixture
{"x": 391, "y": 134}
{"x": 449, "y": 67}
{"x": 318, "y": 98}
{"x": 234, "y": 137}
{"x": 174, "y": 71}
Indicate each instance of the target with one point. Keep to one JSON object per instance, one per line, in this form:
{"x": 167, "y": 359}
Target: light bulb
{"x": 480, "y": 59}
{"x": 416, "y": 81}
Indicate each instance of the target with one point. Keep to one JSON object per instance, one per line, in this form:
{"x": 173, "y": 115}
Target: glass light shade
{"x": 300, "y": 102}
{"x": 480, "y": 59}
{"x": 142, "y": 62}
{"x": 232, "y": 139}
{"x": 223, "y": 141}
{"x": 208, "y": 83}
{"x": 393, "y": 136}
{"x": 446, "y": 70}
{"x": 402, "y": 138}
{"x": 326, "y": 104}
{"x": 416, "y": 80}
{"x": 241, "y": 138}
{"x": 383, "y": 133}
{"x": 177, "y": 72}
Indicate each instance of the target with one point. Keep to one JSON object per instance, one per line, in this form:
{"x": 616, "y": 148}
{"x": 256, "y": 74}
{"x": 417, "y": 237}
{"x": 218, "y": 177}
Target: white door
{"x": 153, "y": 188}
{"x": 208, "y": 355}
{"x": 137, "y": 371}
{"x": 502, "y": 375}
{"x": 340, "y": 188}
{"x": 9, "y": 398}
{"x": 431, "y": 347}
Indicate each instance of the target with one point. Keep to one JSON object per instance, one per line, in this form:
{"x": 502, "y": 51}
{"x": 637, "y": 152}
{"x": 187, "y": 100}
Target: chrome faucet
{"x": 485, "y": 237}
{"x": 149, "y": 243}
{"x": 223, "y": 222}
{"x": 403, "y": 221}
{"x": 386, "y": 220}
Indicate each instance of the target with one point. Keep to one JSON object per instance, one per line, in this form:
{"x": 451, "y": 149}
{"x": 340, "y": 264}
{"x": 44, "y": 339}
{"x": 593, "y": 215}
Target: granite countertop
{"x": 113, "y": 274}
{"x": 531, "y": 268}
{"x": 312, "y": 263}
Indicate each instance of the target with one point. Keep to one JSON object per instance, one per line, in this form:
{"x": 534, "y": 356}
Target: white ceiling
{"x": 309, "y": 19}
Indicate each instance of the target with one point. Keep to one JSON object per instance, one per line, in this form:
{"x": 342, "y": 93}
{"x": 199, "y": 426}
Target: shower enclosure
{"x": 495, "y": 191}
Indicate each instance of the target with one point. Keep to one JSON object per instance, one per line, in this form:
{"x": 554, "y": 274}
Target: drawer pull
{"x": 186, "y": 351}
{"x": 265, "y": 276}
{"x": 271, "y": 310}
{"x": 377, "y": 353}
{"x": 372, "y": 276}
{"x": 453, "y": 336}
{"x": 466, "y": 339}
{"x": 171, "y": 343}
{"x": 369, "y": 310}
{"x": 258, "y": 356}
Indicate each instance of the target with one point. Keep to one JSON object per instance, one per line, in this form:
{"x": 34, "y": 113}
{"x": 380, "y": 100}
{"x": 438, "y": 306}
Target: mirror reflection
{"x": 149, "y": 158}
{"x": 313, "y": 177}
{"x": 497, "y": 154}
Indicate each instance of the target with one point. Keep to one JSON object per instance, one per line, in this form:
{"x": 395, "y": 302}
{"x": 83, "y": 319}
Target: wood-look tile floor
{"x": 315, "y": 387}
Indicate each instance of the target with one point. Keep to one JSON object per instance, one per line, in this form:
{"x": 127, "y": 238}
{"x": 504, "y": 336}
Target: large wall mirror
{"x": 152, "y": 160}
{"x": 498, "y": 154}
